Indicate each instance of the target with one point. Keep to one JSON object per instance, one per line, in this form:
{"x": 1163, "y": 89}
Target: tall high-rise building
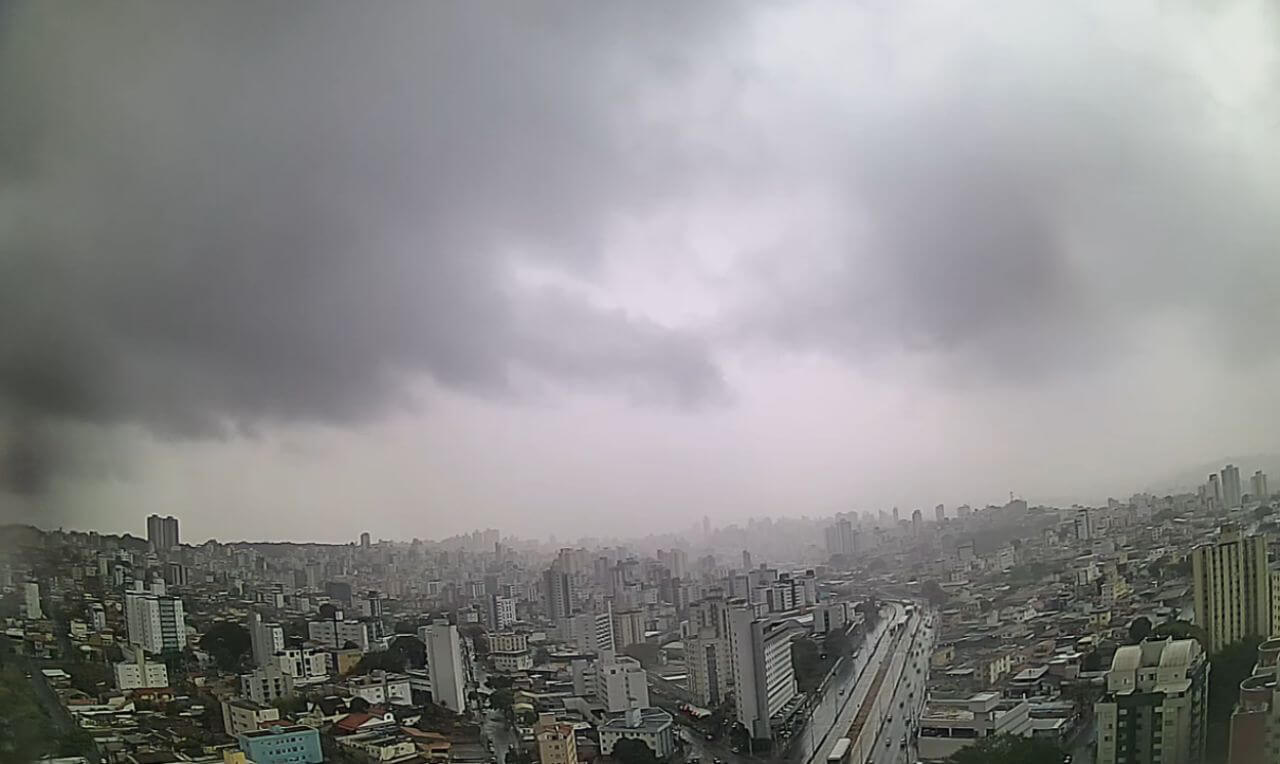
{"x": 559, "y": 592}
{"x": 364, "y": 540}
{"x": 444, "y": 665}
{"x": 1156, "y": 706}
{"x": 710, "y": 669}
{"x": 746, "y": 560}
{"x": 1258, "y": 486}
{"x": 162, "y": 532}
{"x": 763, "y": 675}
{"x": 917, "y": 521}
{"x": 1231, "y": 486}
{"x": 500, "y": 612}
{"x": 31, "y": 600}
{"x": 589, "y": 632}
{"x": 841, "y": 538}
{"x": 155, "y": 623}
{"x": 1213, "y": 492}
{"x": 939, "y": 513}
{"x": 265, "y": 639}
{"x": 622, "y": 683}
{"x": 1232, "y": 587}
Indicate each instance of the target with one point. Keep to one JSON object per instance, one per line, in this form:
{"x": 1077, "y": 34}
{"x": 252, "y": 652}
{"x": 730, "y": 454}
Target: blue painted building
{"x": 294, "y": 744}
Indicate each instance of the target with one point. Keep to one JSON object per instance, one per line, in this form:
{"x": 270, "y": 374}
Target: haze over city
{"x": 569, "y": 268}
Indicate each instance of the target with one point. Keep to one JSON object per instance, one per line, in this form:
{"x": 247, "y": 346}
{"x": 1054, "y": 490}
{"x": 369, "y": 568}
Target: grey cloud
{"x": 223, "y": 214}
{"x": 1022, "y": 207}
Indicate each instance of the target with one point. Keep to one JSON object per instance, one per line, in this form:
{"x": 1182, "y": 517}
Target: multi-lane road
{"x": 835, "y": 710}
{"x": 878, "y": 710}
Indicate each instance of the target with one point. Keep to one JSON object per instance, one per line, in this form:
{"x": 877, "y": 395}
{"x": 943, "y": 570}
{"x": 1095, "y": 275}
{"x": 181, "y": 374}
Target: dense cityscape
{"x": 1002, "y": 633}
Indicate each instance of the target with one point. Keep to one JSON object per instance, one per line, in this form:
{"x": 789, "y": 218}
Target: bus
{"x": 839, "y": 752}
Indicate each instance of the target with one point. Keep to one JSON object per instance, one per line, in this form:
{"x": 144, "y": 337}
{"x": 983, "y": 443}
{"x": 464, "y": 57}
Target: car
{"x": 841, "y": 690}
{"x": 709, "y": 736}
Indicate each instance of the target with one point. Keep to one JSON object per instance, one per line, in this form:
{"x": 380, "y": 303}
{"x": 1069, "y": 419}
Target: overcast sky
{"x": 298, "y": 270}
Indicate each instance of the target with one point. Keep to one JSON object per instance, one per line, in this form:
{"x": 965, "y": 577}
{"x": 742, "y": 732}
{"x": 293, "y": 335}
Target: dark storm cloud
{"x": 219, "y": 214}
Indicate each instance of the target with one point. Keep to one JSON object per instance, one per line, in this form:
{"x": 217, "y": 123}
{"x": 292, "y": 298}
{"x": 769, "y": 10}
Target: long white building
{"x": 444, "y": 665}
{"x": 763, "y": 675}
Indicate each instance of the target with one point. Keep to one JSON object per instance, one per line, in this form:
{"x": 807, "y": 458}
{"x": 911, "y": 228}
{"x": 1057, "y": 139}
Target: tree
{"x": 870, "y": 610}
{"x": 1008, "y": 749}
{"x": 500, "y": 681}
{"x": 1139, "y": 630}
{"x": 503, "y": 700}
{"x": 836, "y": 643}
{"x": 383, "y": 660}
{"x": 1182, "y": 630}
{"x": 228, "y": 643}
{"x": 1092, "y": 661}
{"x": 410, "y": 650}
{"x": 807, "y": 665}
{"x": 1262, "y": 512}
{"x": 541, "y": 655}
{"x": 91, "y": 678}
{"x": 358, "y": 705}
{"x": 932, "y": 591}
{"x": 632, "y": 751}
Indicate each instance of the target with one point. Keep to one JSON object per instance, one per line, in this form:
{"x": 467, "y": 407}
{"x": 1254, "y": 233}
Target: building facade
{"x": 1255, "y": 723}
{"x": 622, "y": 684}
{"x": 763, "y": 675}
{"x": 1156, "y": 707}
{"x": 651, "y": 726}
{"x": 140, "y": 673}
{"x": 444, "y": 665}
{"x": 155, "y": 623}
{"x": 1232, "y": 587}
{"x": 266, "y": 685}
{"x": 293, "y": 744}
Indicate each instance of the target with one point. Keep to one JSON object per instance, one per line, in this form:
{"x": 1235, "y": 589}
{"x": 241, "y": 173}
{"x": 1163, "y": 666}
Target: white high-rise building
{"x": 621, "y": 683}
{"x": 589, "y": 632}
{"x": 500, "y": 612}
{"x": 1231, "y": 486}
{"x": 155, "y": 623}
{"x": 710, "y": 670}
{"x": 31, "y": 600}
{"x": 265, "y": 638}
{"x": 266, "y": 685}
{"x": 444, "y": 665}
{"x": 336, "y": 633}
{"x": 763, "y": 675}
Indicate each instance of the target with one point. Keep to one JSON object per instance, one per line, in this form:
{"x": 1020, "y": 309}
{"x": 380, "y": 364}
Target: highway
{"x": 831, "y": 717}
{"x": 905, "y": 700}
{"x": 885, "y": 700}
